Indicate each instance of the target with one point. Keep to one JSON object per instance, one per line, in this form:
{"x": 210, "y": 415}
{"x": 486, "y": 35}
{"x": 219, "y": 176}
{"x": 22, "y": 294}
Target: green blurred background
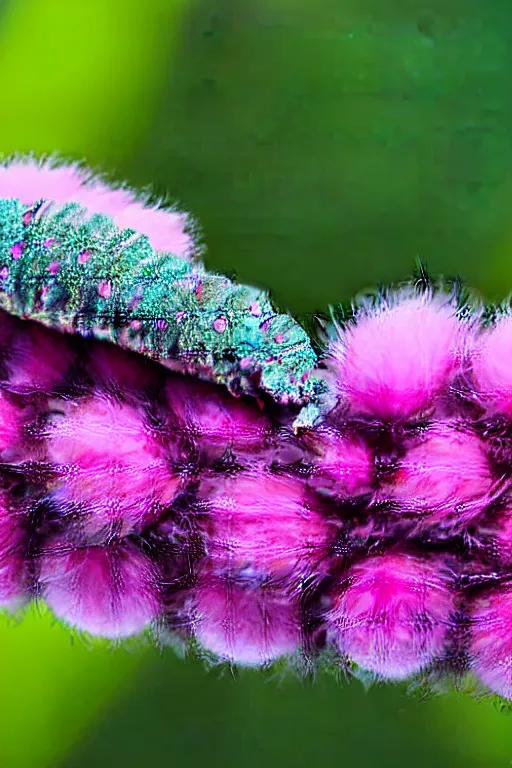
{"x": 324, "y": 146}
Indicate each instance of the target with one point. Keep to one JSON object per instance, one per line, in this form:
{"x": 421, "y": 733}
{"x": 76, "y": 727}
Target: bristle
{"x": 30, "y": 180}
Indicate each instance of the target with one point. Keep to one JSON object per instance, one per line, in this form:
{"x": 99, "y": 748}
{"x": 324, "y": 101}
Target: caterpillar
{"x": 80, "y": 272}
{"x": 374, "y": 540}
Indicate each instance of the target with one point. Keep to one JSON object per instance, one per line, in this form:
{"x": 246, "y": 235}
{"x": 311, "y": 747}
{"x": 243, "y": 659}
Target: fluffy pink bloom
{"x": 394, "y": 616}
{"x": 29, "y": 180}
{"x": 13, "y": 570}
{"x": 39, "y": 359}
{"x": 492, "y": 366}
{"x": 11, "y": 422}
{"x": 115, "y": 368}
{"x": 247, "y": 625}
{"x": 263, "y": 526}
{"x": 491, "y": 643}
{"x": 498, "y": 533}
{"x": 213, "y": 416}
{"x": 343, "y": 466}
{"x": 397, "y": 358}
{"x": 110, "y": 463}
{"x": 109, "y": 591}
{"x": 446, "y": 473}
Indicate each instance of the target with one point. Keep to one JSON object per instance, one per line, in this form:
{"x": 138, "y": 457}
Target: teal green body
{"x": 81, "y": 274}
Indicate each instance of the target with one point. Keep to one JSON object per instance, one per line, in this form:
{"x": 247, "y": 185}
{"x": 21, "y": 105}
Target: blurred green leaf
{"x": 54, "y": 686}
{"x": 81, "y": 77}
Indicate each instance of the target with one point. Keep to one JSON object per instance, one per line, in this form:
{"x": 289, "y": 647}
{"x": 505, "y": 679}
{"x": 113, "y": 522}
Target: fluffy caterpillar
{"x": 376, "y": 539}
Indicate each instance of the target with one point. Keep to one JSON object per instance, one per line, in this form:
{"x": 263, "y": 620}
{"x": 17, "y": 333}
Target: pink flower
{"x": 394, "y": 617}
{"x": 395, "y": 359}
{"x": 110, "y": 591}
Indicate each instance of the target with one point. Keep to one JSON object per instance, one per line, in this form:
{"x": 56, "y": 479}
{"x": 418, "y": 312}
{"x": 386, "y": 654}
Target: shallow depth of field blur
{"x": 325, "y": 146}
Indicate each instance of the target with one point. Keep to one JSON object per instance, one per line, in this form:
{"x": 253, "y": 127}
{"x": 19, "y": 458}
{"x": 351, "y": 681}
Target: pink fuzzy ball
{"x": 263, "y": 525}
{"x": 247, "y": 625}
{"x": 393, "y": 617}
{"x": 492, "y": 366}
{"x": 29, "y": 180}
{"x": 39, "y": 359}
{"x": 111, "y": 463}
{"x": 13, "y": 571}
{"x": 395, "y": 359}
{"x": 446, "y": 474}
{"x": 109, "y": 591}
{"x": 216, "y": 419}
{"x": 491, "y": 642}
{"x": 342, "y": 465}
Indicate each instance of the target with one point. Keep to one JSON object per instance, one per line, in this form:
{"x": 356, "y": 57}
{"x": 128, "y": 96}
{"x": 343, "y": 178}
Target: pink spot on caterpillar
{"x": 397, "y": 358}
{"x": 279, "y": 338}
{"x": 255, "y": 309}
{"x": 180, "y": 316}
{"x": 492, "y": 366}
{"x": 53, "y": 267}
{"x": 110, "y": 591}
{"x": 84, "y": 257}
{"x": 49, "y": 242}
{"x": 17, "y": 250}
{"x": 105, "y": 289}
{"x": 394, "y": 616}
{"x": 4, "y": 273}
{"x": 220, "y": 324}
{"x": 491, "y": 640}
{"x": 243, "y": 624}
{"x": 28, "y": 180}
{"x": 112, "y": 466}
{"x": 27, "y": 218}
{"x": 446, "y": 474}
{"x": 162, "y": 325}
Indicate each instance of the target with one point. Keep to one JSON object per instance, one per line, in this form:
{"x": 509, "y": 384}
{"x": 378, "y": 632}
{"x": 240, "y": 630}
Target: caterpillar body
{"x": 80, "y": 273}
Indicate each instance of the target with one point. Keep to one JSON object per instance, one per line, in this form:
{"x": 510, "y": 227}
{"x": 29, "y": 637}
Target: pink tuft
{"x": 245, "y": 625}
{"x": 492, "y": 366}
{"x": 29, "y": 181}
{"x": 394, "y": 616}
{"x": 261, "y": 525}
{"x": 491, "y": 644}
{"x": 343, "y": 466}
{"x": 446, "y": 474}
{"x": 501, "y": 536}
{"x": 107, "y": 591}
{"x": 396, "y": 359}
{"x": 39, "y": 359}
{"x": 116, "y": 368}
{"x": 110, "y": 462}
{"x": 215, "y": 417}
{"x": 13, "y": 571}
{"x": 10, "y": 426}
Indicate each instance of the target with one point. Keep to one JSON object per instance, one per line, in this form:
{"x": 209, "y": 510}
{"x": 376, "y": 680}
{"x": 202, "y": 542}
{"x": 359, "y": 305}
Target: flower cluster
{"x": 378, "y": 533}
